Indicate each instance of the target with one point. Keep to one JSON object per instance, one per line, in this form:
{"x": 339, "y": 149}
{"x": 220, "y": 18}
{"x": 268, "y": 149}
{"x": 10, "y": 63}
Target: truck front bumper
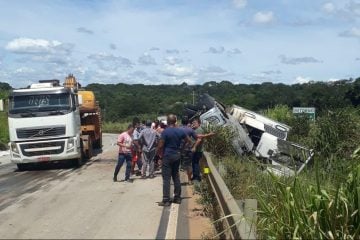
{"x": 44, "y": 151}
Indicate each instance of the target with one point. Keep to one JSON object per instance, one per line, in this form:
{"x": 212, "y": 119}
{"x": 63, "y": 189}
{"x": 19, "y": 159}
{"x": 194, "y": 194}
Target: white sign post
{"x": 1, "y": 105}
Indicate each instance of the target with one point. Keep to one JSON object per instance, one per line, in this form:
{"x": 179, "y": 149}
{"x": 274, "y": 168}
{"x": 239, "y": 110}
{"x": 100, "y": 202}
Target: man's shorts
{"x": 186, "y": 159}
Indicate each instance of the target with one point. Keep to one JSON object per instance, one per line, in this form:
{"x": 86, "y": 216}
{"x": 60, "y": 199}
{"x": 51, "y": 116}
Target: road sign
{"x": 310, "y": 111}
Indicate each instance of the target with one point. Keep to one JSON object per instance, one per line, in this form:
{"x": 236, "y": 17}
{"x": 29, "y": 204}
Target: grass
{"x": 4, "y": 133}
{"x": 307, "y": 210}
{"x": 114, "y": 127}
{"x": 322, "y": 202}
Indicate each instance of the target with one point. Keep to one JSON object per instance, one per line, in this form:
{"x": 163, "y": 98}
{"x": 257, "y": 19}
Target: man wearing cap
{"x": 148, "y": 140}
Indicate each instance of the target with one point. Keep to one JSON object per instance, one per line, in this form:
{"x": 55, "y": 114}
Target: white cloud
{"x": 113, "y": 46}
{"x": 298, "y": 60}
{"x": 141, "y": 77}
{"x": 272, "y": 72}
{"x": 352, "y": 9}
{"x": 353, "y": 32}
{"x": 105, "y": 75}
{"x": 85, "y": 30}
{"x": 110, "y": 61}
{"x": 56, "y": 59}
{"x": 218, "y": 50}
{"x": 302, "y": 80}
{"x": 171, "y": 60}
{"x": 213, "y": 70}
{"x": 177, "y": 71}
{"x": 264, "y": 17}
{"x": 328, "y": 7}
{"x": 234, "y": 51}
{"x": 24, "y": 70}
{"x": 154, "y": 49}
{"x": 146, "y": 59}
{"x": 172, "y": 51}
{"x": 240, "y": 3}
{"x": 37, "y": 46}
{"x": 333, "y": 79}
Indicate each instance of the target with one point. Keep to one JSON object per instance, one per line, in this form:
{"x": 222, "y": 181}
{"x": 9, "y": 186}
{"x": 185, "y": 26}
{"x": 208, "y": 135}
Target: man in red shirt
{"x": 125, "y": 143}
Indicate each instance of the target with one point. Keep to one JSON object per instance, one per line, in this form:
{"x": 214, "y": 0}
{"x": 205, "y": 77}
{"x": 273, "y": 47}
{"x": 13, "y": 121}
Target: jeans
{"x": 170, "y": 169}
{"x": 196, "y": 165}
{"x": 148, "y": 160}
{"x": 122, "y": 158}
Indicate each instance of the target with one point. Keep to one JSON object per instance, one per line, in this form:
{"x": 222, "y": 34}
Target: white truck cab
{"x": 44, "y": 123}
{"x": 259, "y": 135}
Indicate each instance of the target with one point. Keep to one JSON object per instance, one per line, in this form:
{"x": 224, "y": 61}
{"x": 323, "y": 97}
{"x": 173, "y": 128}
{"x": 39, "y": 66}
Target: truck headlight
{"x": 70, "y": 143}
{"x": 14, "y": 147}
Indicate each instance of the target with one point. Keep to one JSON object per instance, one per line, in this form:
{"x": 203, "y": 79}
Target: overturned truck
{"x": 254, "y": 134}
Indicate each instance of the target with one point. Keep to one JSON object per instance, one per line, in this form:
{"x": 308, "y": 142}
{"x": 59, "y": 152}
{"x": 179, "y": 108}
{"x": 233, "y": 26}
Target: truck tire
{"x": 78, "y": 162}
{"x": 98, "y": 143}
{"x": 22, "y": 166}
{"x": 89, "y": 152}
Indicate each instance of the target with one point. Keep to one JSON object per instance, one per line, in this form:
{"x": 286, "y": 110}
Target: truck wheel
{"x": 98, "y": 143}
{"x": 79, "y": 161}
{"x": 22, "y": 166}
{"x": 90, "y": 150}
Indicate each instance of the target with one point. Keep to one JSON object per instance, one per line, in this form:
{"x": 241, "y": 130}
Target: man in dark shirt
{"x": 169, "y": 146}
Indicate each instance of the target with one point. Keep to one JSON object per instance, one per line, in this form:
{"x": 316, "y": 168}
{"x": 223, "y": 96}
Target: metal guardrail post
{"x": 238, "y": 225}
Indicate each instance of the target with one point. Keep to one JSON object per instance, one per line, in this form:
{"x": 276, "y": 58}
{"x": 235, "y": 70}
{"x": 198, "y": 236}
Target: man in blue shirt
{"x": 169, "y": 147}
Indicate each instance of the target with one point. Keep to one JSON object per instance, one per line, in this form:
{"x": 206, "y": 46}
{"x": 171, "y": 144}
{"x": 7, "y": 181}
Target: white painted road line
{"x": 172, "y": 224}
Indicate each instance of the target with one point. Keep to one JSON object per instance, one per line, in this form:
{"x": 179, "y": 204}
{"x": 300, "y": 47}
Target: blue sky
{"x": 171, "y": 42}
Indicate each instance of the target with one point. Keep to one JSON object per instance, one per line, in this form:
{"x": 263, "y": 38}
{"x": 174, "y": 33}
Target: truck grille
{"x": 43, "y": 148}
{"x": 275, "y": 132}
{"x": 40, "y": 132}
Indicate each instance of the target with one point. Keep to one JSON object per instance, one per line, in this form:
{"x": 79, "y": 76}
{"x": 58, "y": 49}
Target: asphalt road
{"x": 58, "y": 201}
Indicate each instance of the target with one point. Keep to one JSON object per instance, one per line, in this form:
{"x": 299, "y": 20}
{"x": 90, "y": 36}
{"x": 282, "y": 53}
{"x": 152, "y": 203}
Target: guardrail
{"x": 239, "y": 222}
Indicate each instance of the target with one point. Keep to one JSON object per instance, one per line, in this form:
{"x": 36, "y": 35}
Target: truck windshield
{"x": 40, "y": 103}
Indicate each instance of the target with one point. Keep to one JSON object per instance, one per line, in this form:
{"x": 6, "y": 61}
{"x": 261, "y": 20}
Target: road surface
{"x": 58, "y": 201}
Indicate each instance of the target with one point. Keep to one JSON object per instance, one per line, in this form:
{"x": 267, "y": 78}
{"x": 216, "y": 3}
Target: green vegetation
{"x": 324, "y": 200}
{"x": 119, "y": 101}
{"x": 117, "y": 127}
{"x": 4, "y": 133}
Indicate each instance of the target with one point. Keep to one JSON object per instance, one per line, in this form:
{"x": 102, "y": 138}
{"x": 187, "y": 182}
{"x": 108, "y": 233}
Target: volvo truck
{"x": 45, "y": 124}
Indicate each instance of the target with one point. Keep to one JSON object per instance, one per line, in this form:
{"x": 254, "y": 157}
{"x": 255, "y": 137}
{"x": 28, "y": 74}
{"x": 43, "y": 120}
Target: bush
{"x": 114, "y": 127}
{"x": 4, "y": 133}
{"x": 323, "y": 201}
{"x": 220, "y": 144}
{"x": 309, "y": 210}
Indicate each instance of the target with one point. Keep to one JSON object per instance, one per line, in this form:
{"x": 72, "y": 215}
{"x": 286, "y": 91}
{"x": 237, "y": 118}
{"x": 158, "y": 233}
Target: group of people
{"x": 169, "y": 145}
{"x": 137, "y": 147}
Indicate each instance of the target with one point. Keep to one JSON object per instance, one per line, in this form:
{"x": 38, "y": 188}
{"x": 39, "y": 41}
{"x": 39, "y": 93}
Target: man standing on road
{"x": 169, "y": 144}
{"x": 125, "y": 143}
{"x": 136, "y": 154}
{"x": 148, "y": 140}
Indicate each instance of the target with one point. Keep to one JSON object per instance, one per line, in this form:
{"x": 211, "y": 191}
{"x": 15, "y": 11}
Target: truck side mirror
{"x": 80, "y": 100}
{"x": 1, "y": 105}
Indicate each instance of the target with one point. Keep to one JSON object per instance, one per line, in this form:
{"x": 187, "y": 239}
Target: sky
{"x": 171, "y": 42}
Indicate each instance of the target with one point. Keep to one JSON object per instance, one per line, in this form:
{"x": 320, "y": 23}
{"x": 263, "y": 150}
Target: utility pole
{"x": 193, "y": 95}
